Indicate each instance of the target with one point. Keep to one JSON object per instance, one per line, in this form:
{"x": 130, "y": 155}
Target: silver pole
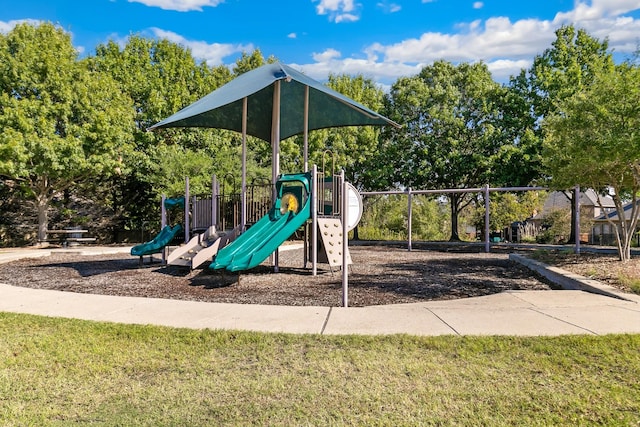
{"x": 275, "y": 156}
{"x": 214, "y": 201}
{"x": 315, "y": 188}
{"x": 452, "y": 190}
{"x": 345, "y": 243}
{"x": 306, "y": 129}
{"x": 163, "y": 213}
{"x": 243, "y": 192}
{"x": 409, "y": 218}
{"x": 487, "y": 246}
{"x": 186, "y": 210}
{"x": 576, "y": 202}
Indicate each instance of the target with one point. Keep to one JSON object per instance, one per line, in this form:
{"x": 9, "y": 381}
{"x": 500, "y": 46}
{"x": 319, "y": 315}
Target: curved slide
{"x": 265, "y": 236}
{"x": 156, "y": 245}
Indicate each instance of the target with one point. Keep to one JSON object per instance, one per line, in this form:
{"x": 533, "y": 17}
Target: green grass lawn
{"x": 72, "y": 372}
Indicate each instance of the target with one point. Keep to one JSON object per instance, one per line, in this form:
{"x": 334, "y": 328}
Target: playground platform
{"x": 514, "y": 313}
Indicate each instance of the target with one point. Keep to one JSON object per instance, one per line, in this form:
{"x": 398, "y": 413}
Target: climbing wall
{"x": 330, "y": 252}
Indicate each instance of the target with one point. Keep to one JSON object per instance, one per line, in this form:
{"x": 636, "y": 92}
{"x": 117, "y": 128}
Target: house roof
{"x": 613, "y": 216}
{"x": 589, "y": 197}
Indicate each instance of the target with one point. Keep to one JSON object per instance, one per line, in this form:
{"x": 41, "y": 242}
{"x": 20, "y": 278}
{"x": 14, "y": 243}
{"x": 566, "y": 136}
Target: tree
{"x": 593, "y": 141}
{"x": 564, "y": 69}
{"x": 519, "y": 162}
{"x": 162, "y": 77}
{"x": 352, "y": 147}
{"x": 506, "y": 208}
{"x": 63, "y": 124}
{"x": 451, "y": 132}
{"x": 251, "y": 61}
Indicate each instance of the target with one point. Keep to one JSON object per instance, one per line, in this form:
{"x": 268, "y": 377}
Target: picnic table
{"x": 67, "y": 236}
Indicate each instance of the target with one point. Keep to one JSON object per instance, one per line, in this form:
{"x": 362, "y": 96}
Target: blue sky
{"x": 381, "y": 39}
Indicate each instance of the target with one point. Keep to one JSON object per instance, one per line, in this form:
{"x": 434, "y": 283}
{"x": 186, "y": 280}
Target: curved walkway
{"x": 525, "y": 313}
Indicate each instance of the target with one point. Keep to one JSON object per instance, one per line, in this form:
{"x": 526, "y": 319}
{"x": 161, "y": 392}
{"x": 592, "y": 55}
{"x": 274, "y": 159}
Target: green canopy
{"x": 223, "y": 107}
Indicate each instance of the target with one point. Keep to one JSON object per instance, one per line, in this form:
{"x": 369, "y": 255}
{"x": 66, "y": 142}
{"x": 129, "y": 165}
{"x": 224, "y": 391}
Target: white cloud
{"x": 212, "y": 53}
{"x": 292, "y": 35}
{"x": 326, "y": 56}
{"x": 497, "y": 38}
{"x": 389, "y": 7}
{"x": 338, "y": 10}
{"x": 346, "y": 17}
{"x": 478, "y": 5}
{"x": 505, "y": 46}
{"x": 7, "y": 26}
{"x": 502, "y": 69}
{"x": 179, "y": 5}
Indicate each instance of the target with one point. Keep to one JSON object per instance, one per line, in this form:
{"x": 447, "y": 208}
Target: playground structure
{"x": 209, "y": 224}
{"x": 214, "y": 232}
{"x": 306, "y": 104}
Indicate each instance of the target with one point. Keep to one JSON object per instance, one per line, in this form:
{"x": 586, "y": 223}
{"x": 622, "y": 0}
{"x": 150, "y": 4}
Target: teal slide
{"x": 290, "y": 211}
{"x": 155, "y": 246}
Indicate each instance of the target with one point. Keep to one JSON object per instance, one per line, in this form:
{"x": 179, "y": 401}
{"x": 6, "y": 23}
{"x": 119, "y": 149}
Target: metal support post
{"x": 576, "y": 202}
{"x": 187, "y": 224}
{"x": 487, "y": 245}
{"x": 409, "y": 219}
{"x": 214, "y": 201}
{"x": 345, "y": 243}
{"x": 315, "y": 189}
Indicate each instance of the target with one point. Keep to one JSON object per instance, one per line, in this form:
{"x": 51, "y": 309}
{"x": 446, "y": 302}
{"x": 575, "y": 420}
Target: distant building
{"x": 603, "y": 232}
{"x": 592, "y": 207}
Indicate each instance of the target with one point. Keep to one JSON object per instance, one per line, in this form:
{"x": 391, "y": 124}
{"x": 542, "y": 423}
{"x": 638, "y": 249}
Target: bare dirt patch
{"x": 380, "y": 275}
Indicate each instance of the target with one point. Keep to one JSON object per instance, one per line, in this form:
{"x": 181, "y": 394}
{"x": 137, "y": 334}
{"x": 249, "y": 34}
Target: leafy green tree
{"x": 567, "y": 67}
{"x": 570, "y": 64}
{"x": 506, "y": 208}
{"x": 251, "y": 61}
{"x": 63, "y": 124}
{"x": 162, "y": 77}
{"x": 518, "y": 162}
{"x": 451, "y": 132}
{"x": 352, "y": 147}
{"x": 593, "y": 141}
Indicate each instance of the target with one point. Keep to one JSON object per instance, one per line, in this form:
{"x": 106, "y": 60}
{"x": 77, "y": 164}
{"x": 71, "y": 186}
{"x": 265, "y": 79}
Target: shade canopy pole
{"x": 275, "y": 134}
{"x": 275, "y": 156}
{"x": 306, "y": 129}
{"x": 243, "y": 192}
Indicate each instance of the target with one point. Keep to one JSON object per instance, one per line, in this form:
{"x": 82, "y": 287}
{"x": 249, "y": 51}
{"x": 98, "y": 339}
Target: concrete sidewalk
{"x": 524, "y": 313}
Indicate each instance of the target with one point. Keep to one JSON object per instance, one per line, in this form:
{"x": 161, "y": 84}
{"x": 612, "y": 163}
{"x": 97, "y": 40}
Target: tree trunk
{"x": 42, "y": 205}
{"x": 623, "y": 230}
{"x": 455, "y": 237}
{"x": 572, "y": 232}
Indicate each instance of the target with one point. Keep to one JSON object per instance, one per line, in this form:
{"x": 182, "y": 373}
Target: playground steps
{"x": 200, "y": 249}
{"x": 186, "y": 259}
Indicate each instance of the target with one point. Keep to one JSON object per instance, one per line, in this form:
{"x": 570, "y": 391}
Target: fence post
{"x": 214, "y": 201}
{"x": 576, "y": 202}
{"x": 487, "y": 245}
{"x": 187, "y": 224}
{"x": 409, "y": 219}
